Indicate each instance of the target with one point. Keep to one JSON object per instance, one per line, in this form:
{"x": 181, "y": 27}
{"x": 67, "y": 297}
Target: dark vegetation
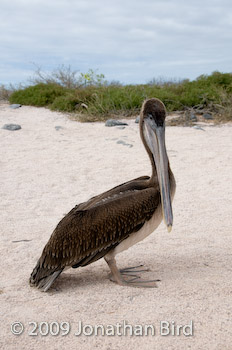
{"x": 91, "y": 98}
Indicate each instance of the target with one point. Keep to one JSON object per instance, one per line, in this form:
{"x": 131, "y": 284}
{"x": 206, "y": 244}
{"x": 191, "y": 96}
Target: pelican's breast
{"x": 148, "y": 227}
{"x": 138, "y": 236}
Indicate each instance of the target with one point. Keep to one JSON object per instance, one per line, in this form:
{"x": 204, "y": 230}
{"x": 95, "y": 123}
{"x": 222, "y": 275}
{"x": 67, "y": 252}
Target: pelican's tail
{"x": 42, "y": 277}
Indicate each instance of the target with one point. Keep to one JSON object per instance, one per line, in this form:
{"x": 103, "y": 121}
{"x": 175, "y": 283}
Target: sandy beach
{"x": 53, "y": 163}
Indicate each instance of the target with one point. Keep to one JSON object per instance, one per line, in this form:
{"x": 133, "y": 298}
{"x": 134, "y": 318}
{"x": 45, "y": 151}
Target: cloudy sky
{"x": 129, "y": 41}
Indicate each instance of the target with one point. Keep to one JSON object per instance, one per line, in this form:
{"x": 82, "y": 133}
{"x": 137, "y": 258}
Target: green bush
{"x": 65, "y": 103}
{"x": 40, "y": 95}
{"x": 100, "y": 101}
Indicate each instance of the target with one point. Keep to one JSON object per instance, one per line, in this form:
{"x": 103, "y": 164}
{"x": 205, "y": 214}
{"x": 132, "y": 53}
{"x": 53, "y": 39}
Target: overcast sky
{"x": 127, "y": 40}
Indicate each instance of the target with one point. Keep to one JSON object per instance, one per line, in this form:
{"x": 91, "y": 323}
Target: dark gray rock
{"x": 137, "y": 119}
{"x": 207, "y": 116}
{"x": 113, "y": 122}
{"x": 121, "y": 142}
{"x": 11, "y": 127}
{"x": 14, "y": 106}
{"x": 198, "y": 127}
{"x": 58, "y": 127}
{"x": 193, "y": 118}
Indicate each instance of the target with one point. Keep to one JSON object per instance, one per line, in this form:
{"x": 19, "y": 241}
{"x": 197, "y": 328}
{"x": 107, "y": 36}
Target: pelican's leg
{"x": 127, "y": 279}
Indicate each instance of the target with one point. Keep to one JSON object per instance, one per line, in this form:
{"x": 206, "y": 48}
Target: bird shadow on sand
{"x": 73, "y": 279}
{"x": 166, "y": 270}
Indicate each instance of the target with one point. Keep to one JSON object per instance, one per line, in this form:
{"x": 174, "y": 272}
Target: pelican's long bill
{"x": 155, "y": 137}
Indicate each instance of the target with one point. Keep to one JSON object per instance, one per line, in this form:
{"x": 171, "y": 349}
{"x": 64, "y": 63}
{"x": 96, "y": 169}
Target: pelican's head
{"x": 152, "y": 129}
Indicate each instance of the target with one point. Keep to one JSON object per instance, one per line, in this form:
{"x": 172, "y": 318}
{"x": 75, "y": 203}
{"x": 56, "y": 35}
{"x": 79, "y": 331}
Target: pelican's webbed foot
{"x": 129, "y": 276}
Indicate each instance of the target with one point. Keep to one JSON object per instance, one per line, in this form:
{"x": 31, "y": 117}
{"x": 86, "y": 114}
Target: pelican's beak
{"x": 155, "y": 137}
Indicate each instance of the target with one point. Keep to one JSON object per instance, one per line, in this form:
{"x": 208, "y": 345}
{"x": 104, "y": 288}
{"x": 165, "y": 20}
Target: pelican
{"x": 113, "y": 221}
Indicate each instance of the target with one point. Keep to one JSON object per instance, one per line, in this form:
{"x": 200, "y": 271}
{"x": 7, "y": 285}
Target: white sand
{"x": 45, "y": 172}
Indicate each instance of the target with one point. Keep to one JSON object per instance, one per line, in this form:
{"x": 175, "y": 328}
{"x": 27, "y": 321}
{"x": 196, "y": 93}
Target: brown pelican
{"x": 115, "y": 220}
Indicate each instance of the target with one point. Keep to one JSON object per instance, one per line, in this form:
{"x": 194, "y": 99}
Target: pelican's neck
{"x": 154, "y": 176}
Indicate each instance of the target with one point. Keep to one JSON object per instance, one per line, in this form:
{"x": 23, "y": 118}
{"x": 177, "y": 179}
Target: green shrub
{"x": 64, "y": 103}
{"x": 39, "y": 95}
{"x": 100, "y": 101}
